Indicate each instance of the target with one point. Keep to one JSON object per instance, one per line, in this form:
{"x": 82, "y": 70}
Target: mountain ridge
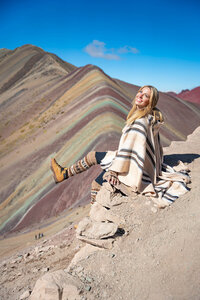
{"x": 192, "y": 95}
{"x": 52, "y": 112}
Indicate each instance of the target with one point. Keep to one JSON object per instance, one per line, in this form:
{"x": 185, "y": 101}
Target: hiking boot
{"x": 59, "y": 172}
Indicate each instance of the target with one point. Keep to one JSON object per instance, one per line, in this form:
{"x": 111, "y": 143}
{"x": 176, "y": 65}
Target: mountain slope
{"x": 191, "y": 95}
{"x": 50, "y": 111}
{"x": 27, "y": 75}
{"x": 188, "y": 95}
{"x": 75, "y": 117}
{"x": 156, "y": 258}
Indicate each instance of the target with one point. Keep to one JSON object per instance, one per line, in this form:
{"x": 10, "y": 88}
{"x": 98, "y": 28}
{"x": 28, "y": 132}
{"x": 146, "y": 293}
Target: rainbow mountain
{"x": 50, "y": 108}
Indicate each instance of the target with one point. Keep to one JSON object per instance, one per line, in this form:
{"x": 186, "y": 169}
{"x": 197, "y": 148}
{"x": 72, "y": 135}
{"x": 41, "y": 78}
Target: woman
{"x": 137, "y": 164}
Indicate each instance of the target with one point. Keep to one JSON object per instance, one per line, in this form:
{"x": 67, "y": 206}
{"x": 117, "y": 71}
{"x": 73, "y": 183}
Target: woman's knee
{"x": 99, "y": 156}
{"x": 94, "y": 157}
{"x": 91, "y": 158}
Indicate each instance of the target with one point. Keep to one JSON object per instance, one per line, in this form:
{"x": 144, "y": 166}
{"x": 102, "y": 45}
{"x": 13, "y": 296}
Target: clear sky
{"x": 141, "y": 42}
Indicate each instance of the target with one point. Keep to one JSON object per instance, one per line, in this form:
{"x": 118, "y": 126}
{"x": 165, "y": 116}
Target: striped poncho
{"x": 139, "y": 163}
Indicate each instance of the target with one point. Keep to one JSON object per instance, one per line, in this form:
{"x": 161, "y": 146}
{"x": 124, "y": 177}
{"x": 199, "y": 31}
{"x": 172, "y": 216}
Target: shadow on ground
{"x": 172, "y": 159}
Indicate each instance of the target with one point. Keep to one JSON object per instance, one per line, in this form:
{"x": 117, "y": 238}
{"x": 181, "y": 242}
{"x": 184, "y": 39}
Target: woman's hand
{"x": 112, "y": 178}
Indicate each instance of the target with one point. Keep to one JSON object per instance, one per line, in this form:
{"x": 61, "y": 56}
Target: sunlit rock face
{"x": 50, "y": 108}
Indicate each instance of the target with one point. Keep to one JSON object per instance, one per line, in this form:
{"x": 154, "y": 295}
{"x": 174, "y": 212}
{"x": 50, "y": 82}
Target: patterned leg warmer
{"x": 94, "y": 190}
{"x": 83, "y": 164}
{"x": 60, "y": 173}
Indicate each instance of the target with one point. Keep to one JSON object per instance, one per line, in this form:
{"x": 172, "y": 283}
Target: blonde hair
{"x": 135, "y": 113}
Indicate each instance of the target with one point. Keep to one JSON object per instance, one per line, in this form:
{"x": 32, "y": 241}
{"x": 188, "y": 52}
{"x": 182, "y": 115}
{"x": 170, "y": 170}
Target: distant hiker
{"x": 138, "y": 163}
{"x": 36, "y": 237}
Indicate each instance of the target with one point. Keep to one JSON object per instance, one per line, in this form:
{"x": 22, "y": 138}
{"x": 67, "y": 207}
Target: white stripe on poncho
{"x": 139, "y": 163}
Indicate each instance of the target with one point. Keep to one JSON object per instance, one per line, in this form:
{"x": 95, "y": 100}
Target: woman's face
{"x": 142, "y": 97}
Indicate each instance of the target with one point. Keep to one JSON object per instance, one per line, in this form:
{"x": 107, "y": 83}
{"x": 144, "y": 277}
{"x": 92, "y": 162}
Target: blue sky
{"x": 140, "y": 42}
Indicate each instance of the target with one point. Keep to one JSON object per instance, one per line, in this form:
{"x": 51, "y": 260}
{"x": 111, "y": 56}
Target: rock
{"x": 13, "y": 266}
{"x": 11, "y": 278}
{"x": 26, "y": 255}
{"x": 82, "y": 254}
{"x": 44, "y": 242}
{"x": 63, "y": 245}
{"x": 99, "y": 213}
{"x": 159, "y": 202}
{"x": 88, "y": 279}
{"x": 25, "y": 295}
{"x": 45, "y": 269}
{"x": 17, "y": 260}
{"x": 70, "y": 292}
{"x": 103, "y": 196}
{"x": 88, "y": 288}
{"x": 79, "y": 269}
{"x": 47, "y": 248}
{"x": 154, "y": 209}
{"x": 43, "y": 249}
{"x": 107, "y": 198}
{"x": 5, "y": 269}
{"x": 77, "y": 247}
{"x": 148, "y": 202}
{"x": 106, "y": 244}
{"x": 4, "y": 264}
{"x": 36, "y": 250}
{"x": 96, "y": 230}
{"x": 35, "y": 270}
{"x": 29, "y": 259}
{"x": 56, "y": 286}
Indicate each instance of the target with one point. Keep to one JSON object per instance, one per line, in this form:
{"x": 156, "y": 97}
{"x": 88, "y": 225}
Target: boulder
{"x": 106, "y": 243}
{"x": 25, "y": 295}
{"x": 82, "y": 254}
{"x": 98, "y": 213}
{"x": 57, "y": 285}
{"x": 96, "y": 230}
{"x": 108, "y": 197}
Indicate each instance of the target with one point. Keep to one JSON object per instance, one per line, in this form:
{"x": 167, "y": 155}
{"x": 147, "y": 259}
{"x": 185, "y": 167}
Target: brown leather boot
{"x": 80, "y": 166}
{"x": 59, "y": 172}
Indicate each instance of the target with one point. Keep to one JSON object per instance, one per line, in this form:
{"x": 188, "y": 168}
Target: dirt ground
{"x": 157, "y": 257}
{"x": 23, "y": 259}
